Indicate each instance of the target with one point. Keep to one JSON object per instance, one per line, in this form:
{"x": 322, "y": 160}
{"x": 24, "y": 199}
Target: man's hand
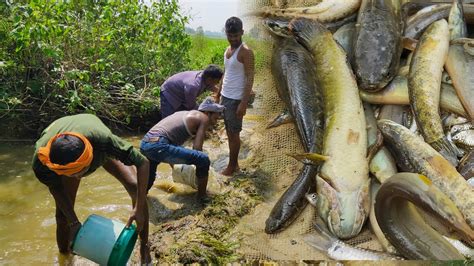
{"x": 241, "y": 109}
{"x": 137, "y": 216}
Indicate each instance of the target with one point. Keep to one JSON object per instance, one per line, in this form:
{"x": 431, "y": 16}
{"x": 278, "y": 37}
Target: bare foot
{"x": 65, "y": 259}
{"x": 229, "y": 171}
{"x": 204, "y": 200}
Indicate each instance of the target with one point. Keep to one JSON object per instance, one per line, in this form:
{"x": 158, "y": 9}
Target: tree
{"x": 103, "y": 57}
{"x": 200, "y": 31}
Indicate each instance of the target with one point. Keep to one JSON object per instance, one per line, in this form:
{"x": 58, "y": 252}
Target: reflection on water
{"x": 27, "y": 223}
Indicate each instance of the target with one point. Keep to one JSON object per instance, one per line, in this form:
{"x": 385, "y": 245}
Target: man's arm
{"x": 140, "y": 212}
{"x": 217, "y": 94}
{"x": 249, "y": 70}
{"x": 218, "y": 89}
{"x": 201, "y": 132}
{"x": 128, "y": 155}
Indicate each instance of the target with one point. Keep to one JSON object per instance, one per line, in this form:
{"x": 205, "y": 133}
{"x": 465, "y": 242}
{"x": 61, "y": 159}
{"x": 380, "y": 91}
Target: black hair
{"x": 233, "y": 25}
{"x": 66, "y": 149}
{"x": 212, "y": 71}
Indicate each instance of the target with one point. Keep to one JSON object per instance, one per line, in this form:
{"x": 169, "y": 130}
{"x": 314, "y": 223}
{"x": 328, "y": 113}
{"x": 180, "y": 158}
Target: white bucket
{"x": 185, "y": 174}
{"x": 105, "y": 241}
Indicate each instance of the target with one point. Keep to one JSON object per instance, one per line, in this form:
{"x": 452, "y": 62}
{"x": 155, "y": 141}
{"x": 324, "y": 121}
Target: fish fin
{"x": 447, "y": 150}
{"x": 281, "y": 119}
{"x": 321, "y": 239}
{"x": 310, "y": 158}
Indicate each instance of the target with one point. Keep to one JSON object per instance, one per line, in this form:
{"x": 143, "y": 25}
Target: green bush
{"x": 102, "y": 57}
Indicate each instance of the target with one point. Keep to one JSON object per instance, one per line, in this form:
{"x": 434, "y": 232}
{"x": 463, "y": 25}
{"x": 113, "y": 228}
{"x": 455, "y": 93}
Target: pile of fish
{"x": 382, "y": 89}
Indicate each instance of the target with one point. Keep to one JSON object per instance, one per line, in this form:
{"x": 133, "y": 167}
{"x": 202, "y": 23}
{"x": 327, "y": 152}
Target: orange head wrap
{"x": 73, "y": 167}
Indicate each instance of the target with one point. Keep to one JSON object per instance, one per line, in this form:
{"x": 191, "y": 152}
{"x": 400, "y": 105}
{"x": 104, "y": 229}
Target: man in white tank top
{"x": 236, "y": 87}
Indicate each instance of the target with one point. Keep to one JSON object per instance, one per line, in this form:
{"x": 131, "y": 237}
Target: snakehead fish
{"x": 326, "y": 11}
{"x": 417, "y": 23}
{"x": 405, "y": 228}
{"x": 424, "y": 85}
{"x": 293, "y": 69}
{"x": 396, "y": 92}
{"x": 377, "y": 43}
{"x": 414, "y": 155}
{"x": 342, "y": 183}
{"x": 460, "y": 62}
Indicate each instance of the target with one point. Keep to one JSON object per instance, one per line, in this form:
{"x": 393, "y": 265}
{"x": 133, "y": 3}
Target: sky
{"x": 210, "y": 14}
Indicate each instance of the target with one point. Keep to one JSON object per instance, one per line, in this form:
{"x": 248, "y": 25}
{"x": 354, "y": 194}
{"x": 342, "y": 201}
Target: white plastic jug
{"x": 185, "y": 174}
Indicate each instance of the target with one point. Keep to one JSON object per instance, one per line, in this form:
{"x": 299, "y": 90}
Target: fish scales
{"x": 414, "y": 155}
{"x": 326, "y": 11}
{"x": 424, "y": 85}
{"x": 293, "y": 69}
{"x": 405, "y": 227}
{"x": 343, "y": 180}
{"x": 396, "y": 92}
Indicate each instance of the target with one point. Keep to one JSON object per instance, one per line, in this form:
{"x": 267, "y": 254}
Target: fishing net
{"x": 269, "y": 153}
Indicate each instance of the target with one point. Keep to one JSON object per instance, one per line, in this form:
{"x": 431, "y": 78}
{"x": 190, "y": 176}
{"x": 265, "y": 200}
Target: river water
{"x": 27, "y": 223}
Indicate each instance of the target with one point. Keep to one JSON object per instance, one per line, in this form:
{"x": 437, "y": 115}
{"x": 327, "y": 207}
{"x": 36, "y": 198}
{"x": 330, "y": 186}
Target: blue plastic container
{"x": 105, "y": 241}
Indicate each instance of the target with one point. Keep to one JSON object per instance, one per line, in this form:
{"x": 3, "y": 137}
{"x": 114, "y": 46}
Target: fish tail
{"x": 305, "y": 29}
{"x": 447, "y": 150}
{"x": 320, "y": 240}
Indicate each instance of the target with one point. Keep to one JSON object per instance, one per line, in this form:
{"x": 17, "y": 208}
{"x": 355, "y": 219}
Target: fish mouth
{"x": 344, "y": 212}
{"x": 278, "y": 26}
{"x": 272, "y": 226}
{"x": 280, "y": 218}
{"x": 374, "y": 85}
{"x": 276, "y": 225}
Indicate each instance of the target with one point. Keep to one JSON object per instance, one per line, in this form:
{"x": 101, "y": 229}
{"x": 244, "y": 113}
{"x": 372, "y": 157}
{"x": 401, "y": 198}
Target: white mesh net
{"x": 269, "y": 153}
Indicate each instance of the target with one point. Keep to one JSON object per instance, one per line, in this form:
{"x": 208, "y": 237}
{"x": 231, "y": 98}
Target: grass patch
{"x": 205, "y": 238}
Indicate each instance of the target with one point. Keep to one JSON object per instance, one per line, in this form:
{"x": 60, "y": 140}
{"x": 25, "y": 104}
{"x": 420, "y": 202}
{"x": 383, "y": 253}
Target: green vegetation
{"x": 205, "y": 51}
{"x": 108, "y": 58}
{"x": 102, "y": 57}
{"x": 208, "y": 237}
